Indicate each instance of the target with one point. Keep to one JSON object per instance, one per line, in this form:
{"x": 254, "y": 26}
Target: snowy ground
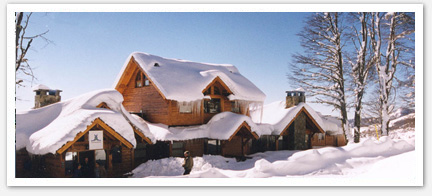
{"x": 391, "y": 156}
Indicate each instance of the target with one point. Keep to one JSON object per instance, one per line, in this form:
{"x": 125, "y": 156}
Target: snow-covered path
{"x": 368, "y": 158}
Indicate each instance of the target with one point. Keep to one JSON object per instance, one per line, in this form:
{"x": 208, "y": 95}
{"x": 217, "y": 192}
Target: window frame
{"x": 213, "y": 102}
{"x": 141, "y": 80}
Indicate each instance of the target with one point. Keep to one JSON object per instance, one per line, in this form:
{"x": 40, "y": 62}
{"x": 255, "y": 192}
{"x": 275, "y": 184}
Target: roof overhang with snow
{"x": 102, "y": 124}
{"x": 223, "y": 126}
{"x": 185, "y": 81}
{"x": 48, "y": 129}
{"x": 309, "y": 117}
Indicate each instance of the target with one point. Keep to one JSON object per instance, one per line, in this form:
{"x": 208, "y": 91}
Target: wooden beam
{"x": 126, "y": 76}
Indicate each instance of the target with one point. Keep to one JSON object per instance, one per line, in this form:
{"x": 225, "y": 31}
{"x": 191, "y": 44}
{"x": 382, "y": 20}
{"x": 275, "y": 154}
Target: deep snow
{"x": 370, "y": 157}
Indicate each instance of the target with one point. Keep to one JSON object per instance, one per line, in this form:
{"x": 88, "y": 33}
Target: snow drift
{"x": 313, "y": 162}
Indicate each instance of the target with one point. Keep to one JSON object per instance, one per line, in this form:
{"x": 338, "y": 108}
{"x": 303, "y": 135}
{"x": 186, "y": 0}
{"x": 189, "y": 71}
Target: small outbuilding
{"x": 294, "y": 125}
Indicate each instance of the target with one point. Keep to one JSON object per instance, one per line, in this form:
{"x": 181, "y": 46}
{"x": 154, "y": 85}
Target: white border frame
{"x": 292, "y": 181}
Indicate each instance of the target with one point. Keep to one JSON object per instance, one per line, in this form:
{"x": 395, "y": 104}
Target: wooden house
{"x": 182, "y": 93}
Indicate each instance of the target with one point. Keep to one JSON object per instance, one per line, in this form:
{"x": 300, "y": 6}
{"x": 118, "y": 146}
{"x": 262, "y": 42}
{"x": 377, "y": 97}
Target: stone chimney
{"x": 295, "y": 97}
{"x": 45, "y": 96}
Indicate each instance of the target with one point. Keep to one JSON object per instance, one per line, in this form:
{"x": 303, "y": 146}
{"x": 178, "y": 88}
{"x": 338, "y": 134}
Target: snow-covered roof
{"x": 222, "y": 126}
{"x": 275, "y": 117}
{"x": 45, "y": 130}
{"x": 183, "y": 80}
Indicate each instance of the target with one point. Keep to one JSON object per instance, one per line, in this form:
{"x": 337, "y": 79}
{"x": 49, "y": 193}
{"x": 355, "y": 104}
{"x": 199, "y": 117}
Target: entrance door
{"x": 87, "y": 169}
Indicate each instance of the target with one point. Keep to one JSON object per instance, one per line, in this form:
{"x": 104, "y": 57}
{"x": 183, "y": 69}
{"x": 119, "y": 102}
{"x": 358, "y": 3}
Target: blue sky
{"x": 89, "y": 49}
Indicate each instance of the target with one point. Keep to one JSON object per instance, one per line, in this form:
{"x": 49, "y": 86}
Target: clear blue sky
{"x": 89, "y": 49}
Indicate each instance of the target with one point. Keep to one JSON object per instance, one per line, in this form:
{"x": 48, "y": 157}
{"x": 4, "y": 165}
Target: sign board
{"x": 95, "y": 140}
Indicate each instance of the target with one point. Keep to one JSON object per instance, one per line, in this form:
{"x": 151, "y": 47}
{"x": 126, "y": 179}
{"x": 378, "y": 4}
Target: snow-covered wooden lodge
{"x": 161, "y": 107}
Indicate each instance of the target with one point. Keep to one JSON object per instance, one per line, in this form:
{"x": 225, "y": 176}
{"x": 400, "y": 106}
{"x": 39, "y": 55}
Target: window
{"x": 177, "y": 149}
{"x": 212, "y": 106}
{"x": 185, "y": 107}
{"x": 146, "y": 80}
{"x": 52, "y": 92}
{"x": 208, "y": 91}
{"x": 320, "y": 136}
{"x": 235, "y": 107}
{"x": 141, "y": 80}
{"x": 138, "y": 80}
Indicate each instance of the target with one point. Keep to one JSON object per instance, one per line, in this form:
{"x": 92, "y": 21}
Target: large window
{"x": 212, "y": 106}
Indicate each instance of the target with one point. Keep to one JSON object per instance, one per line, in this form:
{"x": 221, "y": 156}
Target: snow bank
{"x": 222, "y": 126}
{"x": 315, "y": 162}
{"x": 174, "y": 77}
{"x": 47, "y": 129}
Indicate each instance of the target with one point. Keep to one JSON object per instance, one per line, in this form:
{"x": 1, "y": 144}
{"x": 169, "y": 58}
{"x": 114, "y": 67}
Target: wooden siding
{"x": 178, "y": 119}
{"x": 234, "y": 147}
{"x": 195, "y": 147}
{"x": 127, "y": 163}
{"x": 146, "y": 99}
{"x": 316, "y": 141}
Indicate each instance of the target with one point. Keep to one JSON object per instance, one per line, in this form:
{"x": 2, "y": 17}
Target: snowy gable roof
{"x": 222, "y": 126}
{"x": 45, "y": 130}
{"x": 275, "y": 117}
{"x": 183, "y": 80}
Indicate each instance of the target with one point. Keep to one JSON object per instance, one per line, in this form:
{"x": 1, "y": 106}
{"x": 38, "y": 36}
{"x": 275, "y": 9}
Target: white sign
{"x": 95, "y": 140}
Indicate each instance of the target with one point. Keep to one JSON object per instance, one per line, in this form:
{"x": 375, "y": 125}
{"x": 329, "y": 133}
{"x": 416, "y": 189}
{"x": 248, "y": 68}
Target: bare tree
{"x": 400, "y": 26}
{"x": 320, "y": 69}
{"x": 23, "y": 44}
{"x": 360, "y": 69}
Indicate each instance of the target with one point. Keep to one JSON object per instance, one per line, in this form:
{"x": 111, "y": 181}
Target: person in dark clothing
{"x": 86, "y": 169}
{"x": 187, "y": 163}
{"x": 99, "y": 171}
{"x": 77, "y": 172}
